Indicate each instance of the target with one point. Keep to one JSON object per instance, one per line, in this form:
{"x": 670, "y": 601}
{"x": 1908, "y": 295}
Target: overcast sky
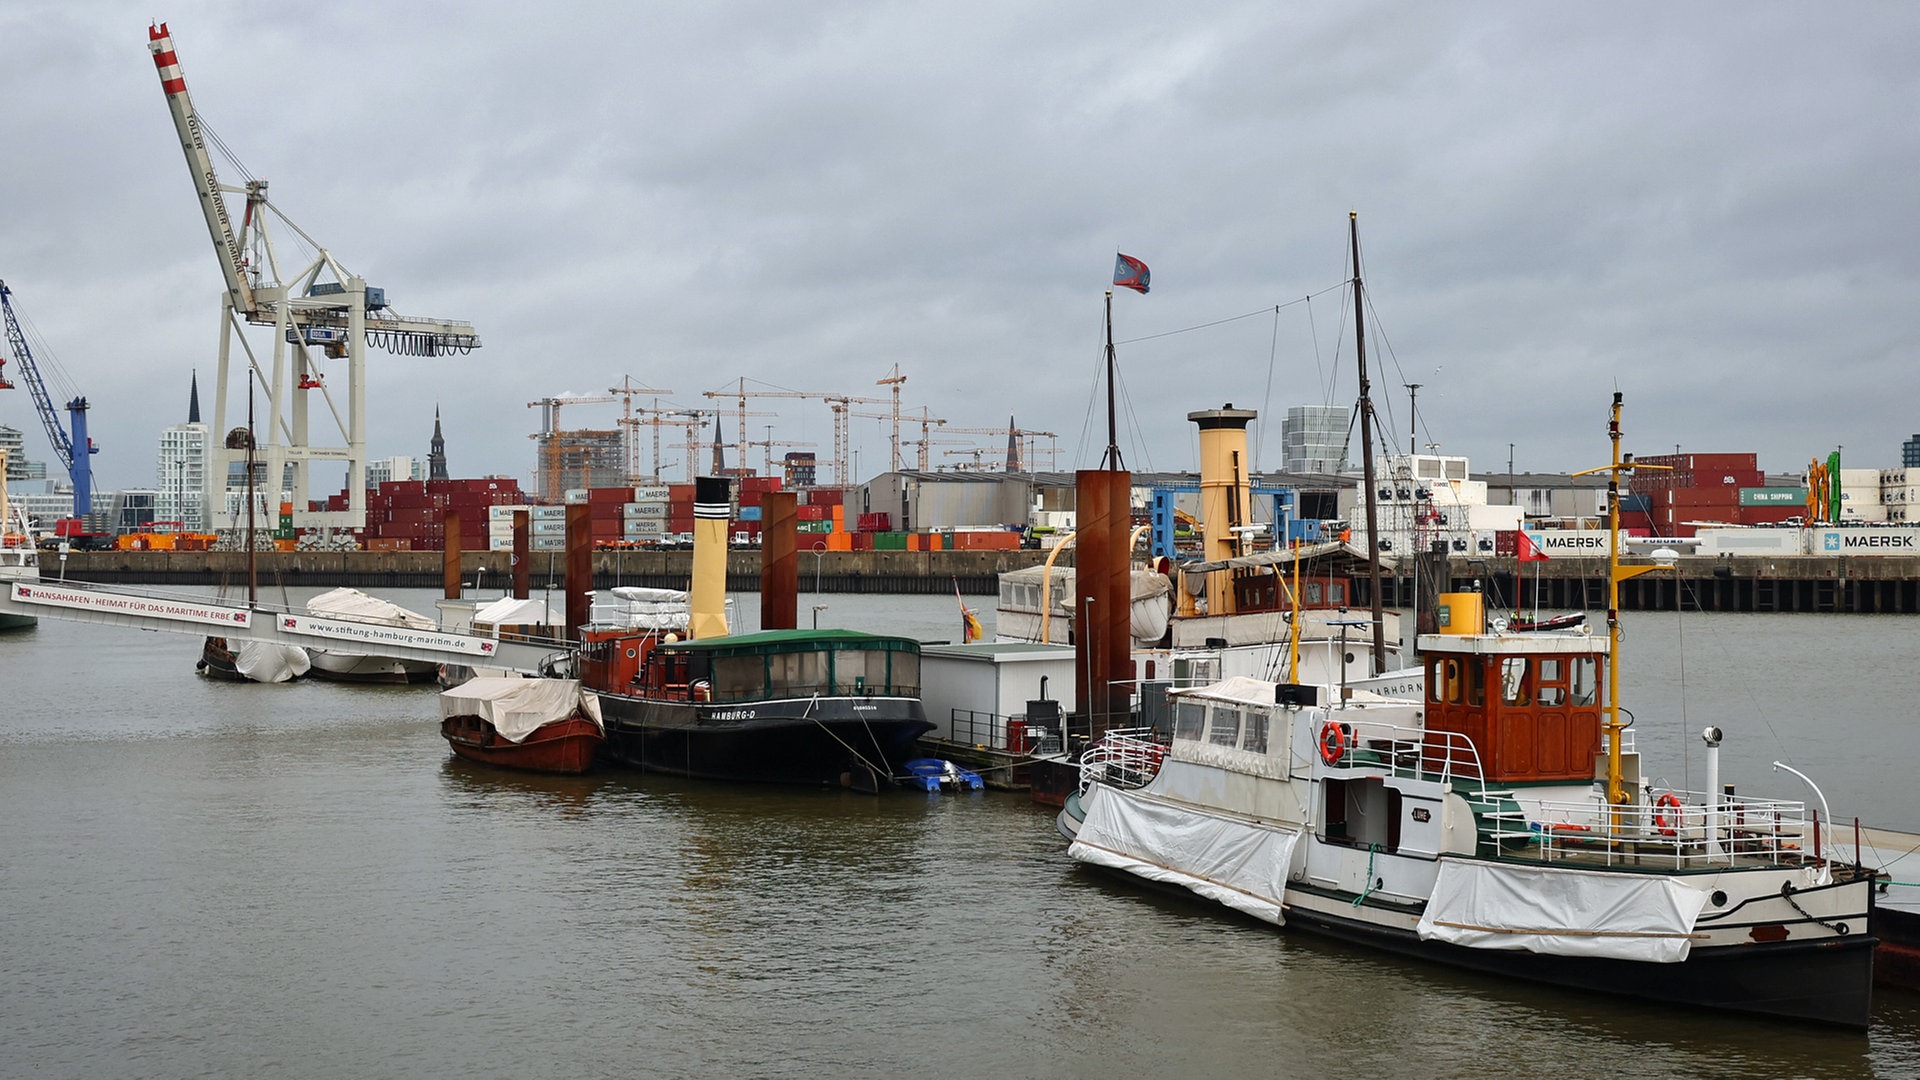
{"x": 1709, "y": 207}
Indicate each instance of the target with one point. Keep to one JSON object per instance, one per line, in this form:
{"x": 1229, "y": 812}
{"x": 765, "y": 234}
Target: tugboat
{"x": 819, "y": 707}
{"x": 1503, "y": 825}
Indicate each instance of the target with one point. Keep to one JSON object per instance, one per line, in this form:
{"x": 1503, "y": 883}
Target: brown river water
{"x": 208, "y": 879}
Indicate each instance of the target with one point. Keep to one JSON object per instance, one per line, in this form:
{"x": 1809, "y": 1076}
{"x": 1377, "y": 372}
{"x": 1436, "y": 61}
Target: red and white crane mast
{"x": 322, "y": 309}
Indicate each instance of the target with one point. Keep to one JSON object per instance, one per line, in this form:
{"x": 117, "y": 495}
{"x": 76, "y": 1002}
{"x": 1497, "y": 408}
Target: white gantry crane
{"x": 320, "y": 309}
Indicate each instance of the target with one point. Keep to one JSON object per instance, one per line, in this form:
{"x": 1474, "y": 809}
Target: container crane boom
{"x": 230, "y": 248}
{"x": 75, "y": 451}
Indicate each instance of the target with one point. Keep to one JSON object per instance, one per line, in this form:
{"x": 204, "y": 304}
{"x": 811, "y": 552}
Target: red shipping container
{"x": 811, "y": 513}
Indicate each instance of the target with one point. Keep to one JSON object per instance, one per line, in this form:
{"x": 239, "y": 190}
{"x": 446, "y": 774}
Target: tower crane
{"x": 927, "y": 422}
{"x": 1011, "y": 433}
{"x": 740, "y": 394}
{"x": 894, "y": 381}
{"x": 841, "y": 406}
{"x": 75, "y": 451}
{"x": 319, "y": 306}
{"x": 769, "y": 443}
{"x": 626, "y": 391}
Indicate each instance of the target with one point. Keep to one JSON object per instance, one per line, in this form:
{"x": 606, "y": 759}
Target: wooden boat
{"x": 1502, "y": 825}
{"x": 251, "y": 661}
{"x": 535, "y": 725}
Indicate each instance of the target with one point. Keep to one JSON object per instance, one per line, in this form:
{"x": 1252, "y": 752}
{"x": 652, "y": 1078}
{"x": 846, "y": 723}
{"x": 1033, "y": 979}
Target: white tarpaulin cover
{"x": 1562, "y": 912}
{"x": 1236, "y": 863}
{"x": 508, "y": 611}
{"x": 518, "y": 707}
{"x": 356, "y": 606}
{"x": 270, "y": 661}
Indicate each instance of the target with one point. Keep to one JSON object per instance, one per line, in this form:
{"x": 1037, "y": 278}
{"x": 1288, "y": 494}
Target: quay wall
{"x": 976, "y": 572}
{"x": 1843, "y": 584}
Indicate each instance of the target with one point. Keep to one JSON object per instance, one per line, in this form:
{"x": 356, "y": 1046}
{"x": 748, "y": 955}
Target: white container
{"x": 634, "y": 510}
{"x": 549, "y": 513}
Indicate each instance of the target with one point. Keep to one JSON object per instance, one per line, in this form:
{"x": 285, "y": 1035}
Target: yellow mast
{"x": 1617, "y": 794}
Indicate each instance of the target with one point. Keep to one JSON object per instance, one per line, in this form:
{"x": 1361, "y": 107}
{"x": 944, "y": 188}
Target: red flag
{"x": 1524, "y": 547}
{"x": 1131, "y": 273}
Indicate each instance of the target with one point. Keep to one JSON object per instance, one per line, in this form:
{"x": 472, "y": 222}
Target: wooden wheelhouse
{"x": 1530, "y": 705}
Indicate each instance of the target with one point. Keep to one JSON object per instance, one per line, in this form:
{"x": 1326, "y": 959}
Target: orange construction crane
{"x": 626, "y": 392}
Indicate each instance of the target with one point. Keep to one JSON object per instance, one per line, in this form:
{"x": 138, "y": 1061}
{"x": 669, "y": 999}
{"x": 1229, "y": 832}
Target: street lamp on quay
{"x": 819, "y": 552}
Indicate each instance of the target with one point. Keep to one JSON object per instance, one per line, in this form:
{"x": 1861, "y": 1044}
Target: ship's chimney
{"x": 1226, "y": 492}
{"x": 712, "y": 511}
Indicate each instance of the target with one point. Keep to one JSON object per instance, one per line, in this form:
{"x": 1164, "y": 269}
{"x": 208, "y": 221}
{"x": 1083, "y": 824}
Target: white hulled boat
{"x": 352, "y": 605}
{"x": 1503, "y": 824}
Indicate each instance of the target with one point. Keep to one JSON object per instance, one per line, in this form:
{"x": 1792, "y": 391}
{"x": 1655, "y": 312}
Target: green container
{"x": 890, "y": 541}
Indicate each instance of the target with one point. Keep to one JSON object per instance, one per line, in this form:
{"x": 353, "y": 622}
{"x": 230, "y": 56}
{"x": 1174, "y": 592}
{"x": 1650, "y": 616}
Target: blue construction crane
{"x": 79, "y": 464}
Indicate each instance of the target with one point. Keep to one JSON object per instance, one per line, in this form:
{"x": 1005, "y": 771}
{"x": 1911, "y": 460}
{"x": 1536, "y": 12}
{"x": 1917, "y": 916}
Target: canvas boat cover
{"x": 633, "y": 607}
{"x": 1237, "y": 863}
{"x": 1151, "y": 596}
{"x": 508, "y": 611}
{"x": 1562, "y": 911}
{"x": 356, "y": 606}
{"x": 270, "y": 661}
{"x": 518, "y": 707}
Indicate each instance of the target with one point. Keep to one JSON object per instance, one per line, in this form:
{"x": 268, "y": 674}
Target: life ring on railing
{"x": 1667, "y": 826}
{"x": 1333, "y": 742}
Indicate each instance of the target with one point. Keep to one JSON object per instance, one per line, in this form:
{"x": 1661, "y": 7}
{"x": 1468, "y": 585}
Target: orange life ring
{"x": 1333, "y": 742}
{"x": 1666, "y": 826}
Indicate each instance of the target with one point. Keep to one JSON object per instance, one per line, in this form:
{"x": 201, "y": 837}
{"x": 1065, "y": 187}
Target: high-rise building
{"x": 14, "y": 442}
{"x": 401, "y": 467}
{"x": 180, "y": 472}
{"x": 1910, "y": 453}
{"x": 1313, "y": 439}
{"x": 579, "y": 459}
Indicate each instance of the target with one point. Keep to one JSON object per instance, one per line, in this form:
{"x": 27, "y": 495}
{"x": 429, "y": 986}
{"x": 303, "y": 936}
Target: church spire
{"x": 437, "y": 452}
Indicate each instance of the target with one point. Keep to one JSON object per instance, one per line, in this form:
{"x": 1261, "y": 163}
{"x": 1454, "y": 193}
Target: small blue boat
{"x": 937, "y": 775}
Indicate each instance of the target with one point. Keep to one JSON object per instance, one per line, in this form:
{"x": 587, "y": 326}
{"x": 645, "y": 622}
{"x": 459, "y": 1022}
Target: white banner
{"x": 122, "y": 604}
{"x": 376, "y": 634}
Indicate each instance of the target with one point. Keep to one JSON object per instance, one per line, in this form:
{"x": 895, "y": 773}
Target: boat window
{"x": 1444, "y": 684}
{"x": 1584, "y": 680}
{"x": 859, "y": 671}
{"x": 798, "y": 672}
{"x": 1188, "y": 718}
{"x": 1336, "y": 594}
{"x": 1225, "y": 729}
{"x": 1473, "y": 680}
{"x": 1312, "y": 594}
{"x": 1553, "y": 681}
{"x": 1516, "y": 681}
{"x": 736, "y": 678}
{"x": 903, "y": 672}
{"x": 1254, "y": 737}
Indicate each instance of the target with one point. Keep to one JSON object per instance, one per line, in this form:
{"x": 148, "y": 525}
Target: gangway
{"x": 171, "y": 611}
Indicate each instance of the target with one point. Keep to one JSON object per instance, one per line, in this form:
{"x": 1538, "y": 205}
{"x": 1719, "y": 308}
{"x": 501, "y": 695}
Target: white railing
{"x": 1123, "y": 758}
{"x": 1684, "y": 827}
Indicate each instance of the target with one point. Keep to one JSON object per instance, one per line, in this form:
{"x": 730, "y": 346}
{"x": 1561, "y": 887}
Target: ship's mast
{"x": 1366, "y": 454}
{"x": 1617, "y": 794}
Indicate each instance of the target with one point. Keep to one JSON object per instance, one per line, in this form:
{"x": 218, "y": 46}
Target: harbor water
{"x": 210, "y": 879}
